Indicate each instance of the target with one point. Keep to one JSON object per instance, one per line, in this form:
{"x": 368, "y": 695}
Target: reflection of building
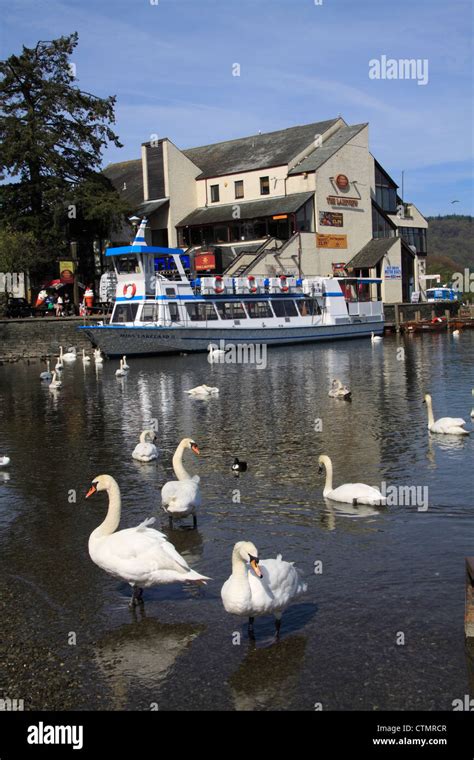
{"x": 295, "y": 201}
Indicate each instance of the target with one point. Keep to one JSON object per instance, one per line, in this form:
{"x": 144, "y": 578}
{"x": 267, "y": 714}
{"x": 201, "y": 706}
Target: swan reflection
{"x": 334, "y": 509}
{"x": 142, "y": 655}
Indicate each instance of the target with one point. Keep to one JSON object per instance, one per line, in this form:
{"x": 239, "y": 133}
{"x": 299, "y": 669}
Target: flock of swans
{"x": 143, "y": 556}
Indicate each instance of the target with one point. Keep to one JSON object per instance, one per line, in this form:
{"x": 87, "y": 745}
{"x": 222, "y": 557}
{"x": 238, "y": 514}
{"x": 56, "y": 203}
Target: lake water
{"x": 381, "y": 627}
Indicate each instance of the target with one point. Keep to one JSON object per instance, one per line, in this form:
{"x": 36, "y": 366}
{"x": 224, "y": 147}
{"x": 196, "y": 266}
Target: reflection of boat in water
{"x": 139, "y": 656}
{"x": 159, "y": 310}
{"x": 266, "y": 676}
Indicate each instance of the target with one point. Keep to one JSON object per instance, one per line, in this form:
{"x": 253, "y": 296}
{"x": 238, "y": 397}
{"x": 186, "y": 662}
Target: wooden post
{"x": 417, "y": 316}
{"x": 447, "y": 314}
{"x": 397, "y": 319}
{"x": 469, "y": 607}
{"x": 433, "y": 314}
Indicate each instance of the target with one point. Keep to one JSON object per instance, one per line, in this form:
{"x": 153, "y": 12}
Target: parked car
{"x": 18, "y": 307}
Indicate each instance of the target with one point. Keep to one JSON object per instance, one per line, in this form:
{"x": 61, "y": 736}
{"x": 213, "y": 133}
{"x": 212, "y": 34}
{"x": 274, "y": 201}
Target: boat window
{"x": 258, "y": 309}
{"x": 149, "y": 313}
{"x": 284, "y": 308}
{"x": 127, "y": 264}
{"x": 201, "y": 312}
{"x": 170, "y": 291}
{"x": 125, "y": 313}
{"x": 308, "y": 307}
{"x": 231, "y": 310}
{"x": 174, "y": 312}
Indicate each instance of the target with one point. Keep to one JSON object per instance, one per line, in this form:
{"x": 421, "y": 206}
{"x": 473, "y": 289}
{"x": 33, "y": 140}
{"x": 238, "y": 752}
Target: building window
{"x": 239, "y": 188}
{"x": 415, "y": 236}
{"x": 381, "y": 227}
{"x": 264, "y": 185}
{"x": 385, "y": 192}
{"x": 214, "y": 193}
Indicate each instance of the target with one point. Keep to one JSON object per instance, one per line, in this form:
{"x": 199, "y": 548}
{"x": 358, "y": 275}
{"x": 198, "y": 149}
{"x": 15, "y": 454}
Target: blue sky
{"x": 170, "y": 66}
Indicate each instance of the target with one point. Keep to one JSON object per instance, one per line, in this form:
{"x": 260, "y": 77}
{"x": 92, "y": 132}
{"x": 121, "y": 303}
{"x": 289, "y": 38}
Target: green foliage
{"x": 52, "y": 136}
{"x": 19, "y": 251}
{"x": 450, "y": 238}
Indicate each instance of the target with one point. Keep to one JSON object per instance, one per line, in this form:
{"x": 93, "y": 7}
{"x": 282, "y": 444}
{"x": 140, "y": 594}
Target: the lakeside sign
{"x": 335, "y": 200}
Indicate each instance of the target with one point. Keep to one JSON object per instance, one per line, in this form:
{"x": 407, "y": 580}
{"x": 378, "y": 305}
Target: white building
{"x": 308, "y": 200}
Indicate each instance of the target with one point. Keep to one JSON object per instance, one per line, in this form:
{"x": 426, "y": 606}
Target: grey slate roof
{"x": 320, "y": 155}
{"x": 370, "y": 255}
{"x": 148, "y": 207}
{"x": 256, "y": 151}
{"x": 251, "y": 210}
{"x": 128, "y": 173}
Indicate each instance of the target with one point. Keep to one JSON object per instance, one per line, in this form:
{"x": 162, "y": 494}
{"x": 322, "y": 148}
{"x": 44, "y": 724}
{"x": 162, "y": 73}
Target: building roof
{"x": 320, "y": 155}
{"x": 127, "y": 178}
{"x": 284, "y": 204}
{"x": 147, "y": 208}
{"x": 255, "y": 152}
{"x": 370, "y": 255}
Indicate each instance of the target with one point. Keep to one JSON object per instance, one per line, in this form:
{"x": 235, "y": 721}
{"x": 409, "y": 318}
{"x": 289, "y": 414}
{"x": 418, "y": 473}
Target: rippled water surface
{"x": 68, "y": 639}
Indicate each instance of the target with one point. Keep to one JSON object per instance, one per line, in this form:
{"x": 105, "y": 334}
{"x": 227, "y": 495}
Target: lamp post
{"x": 75, "y": 296}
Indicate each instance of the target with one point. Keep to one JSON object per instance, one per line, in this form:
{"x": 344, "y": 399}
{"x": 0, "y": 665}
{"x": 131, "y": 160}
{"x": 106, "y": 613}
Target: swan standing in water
{"x": 338, "y": 390}
{"x": 349, "y": 493}
{"x": 55, "y": 384}
{"x": 445, "y": 425}
{"x": 375, "y": 338}
{"x": 146, "y": 451}
{"x": 203, "y": 391}
{"x": 260, "y": 587}
{"x": 46, "y": 375}
{"x": 121, "y": 372}
{"x": 4, "y": 461}
{"x": 141, "y": 556}
{"x": 181, "y": 497}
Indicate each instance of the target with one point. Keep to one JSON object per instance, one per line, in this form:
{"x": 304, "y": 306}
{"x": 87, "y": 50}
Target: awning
{"x": 286, "y": 204}
{"x": 370, "y": 255}
{"x": 149, "y": 207}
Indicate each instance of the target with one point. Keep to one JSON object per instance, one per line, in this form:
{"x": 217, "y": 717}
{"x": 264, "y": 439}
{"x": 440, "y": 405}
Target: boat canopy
{"x": 151, "y": 249}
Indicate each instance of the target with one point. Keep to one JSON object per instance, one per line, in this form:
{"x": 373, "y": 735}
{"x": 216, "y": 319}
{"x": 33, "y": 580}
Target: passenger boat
{"x": 160, "y": 309}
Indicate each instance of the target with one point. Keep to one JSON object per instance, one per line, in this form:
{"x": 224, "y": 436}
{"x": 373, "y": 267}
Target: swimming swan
{"x": 59, "y": 364}
{"x": 349, "y": 493}
{"x": 146, "y": 451}
{"x": 85, "y": 358}
{"x": 203, "y": 390}
{"x": 69, "y": 356}
{"x": 375, "y": 338}
{"x": 55, "y": 384}
{"x": 98, "y": 358}
{"x": 260, "y": 587}
{"x": 46, "y": 375}
{"x": 4, "y": 461}
{"x": 445, "y": 425}
{"x": 121, "y": 372}
{"x": 182, "y": 497}
{"x": 338, "y": 390}
{"x": 141, "y": 556}
{"x": 124, "y": 363}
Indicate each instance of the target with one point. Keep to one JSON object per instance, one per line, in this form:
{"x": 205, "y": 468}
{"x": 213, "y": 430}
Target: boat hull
{"x": 116, "y": 340}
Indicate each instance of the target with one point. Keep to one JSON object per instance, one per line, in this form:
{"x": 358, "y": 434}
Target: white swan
{"x": 4, "y": 461}
{"x": 375, "y": 338}
{"x": 46, "y": 375}
{"x": 98, "y": 358}
{"x": 121, "y": 372}
{"x": 456, "y": 333}
{"x": 85, "y": 358}
{"x": 55, "y": 384}
{"x": 260, "y": 587}
{"x": 181, "y": 497}
{"x": 59, "y": 364}
{"x": 141, "y": 556}
{"x": 349, "y": 493}
{"x": 203, "y": 390}
{"x": 338, "y": 390}
{"x": 124, "y": 363}
{"x": 69, "y": 356}
{"x": 445, "y": 425}
{"x": 146, "y": 450}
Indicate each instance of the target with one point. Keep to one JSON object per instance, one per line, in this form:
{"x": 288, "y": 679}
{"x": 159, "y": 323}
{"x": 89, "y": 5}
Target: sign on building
{"x": 393, "y": 273}
{"x": 331, "y": 241}
{"x": 331, "y": 219}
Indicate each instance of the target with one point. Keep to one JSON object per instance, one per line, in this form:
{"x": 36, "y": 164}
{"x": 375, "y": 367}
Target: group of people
{"x": 62, "y": 305}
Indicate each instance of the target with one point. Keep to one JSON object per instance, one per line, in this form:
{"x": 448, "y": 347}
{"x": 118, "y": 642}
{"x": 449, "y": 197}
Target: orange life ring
{"x": 283, "y": 286}
{"x": 218, "y": 286}
{"x": 251, "y": 284}
{"x": 127, "y": 286}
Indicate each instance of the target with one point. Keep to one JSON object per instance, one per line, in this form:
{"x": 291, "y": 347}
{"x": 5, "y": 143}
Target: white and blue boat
{"x": 160, "y": 309}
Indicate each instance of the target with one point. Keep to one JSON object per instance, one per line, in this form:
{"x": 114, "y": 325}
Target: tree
{"x": 19, "y": 251}
{"x": 52, "y": 134}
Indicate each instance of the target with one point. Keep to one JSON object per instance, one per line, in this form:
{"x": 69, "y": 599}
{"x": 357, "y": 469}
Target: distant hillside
{"x": 450, "y": 245}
